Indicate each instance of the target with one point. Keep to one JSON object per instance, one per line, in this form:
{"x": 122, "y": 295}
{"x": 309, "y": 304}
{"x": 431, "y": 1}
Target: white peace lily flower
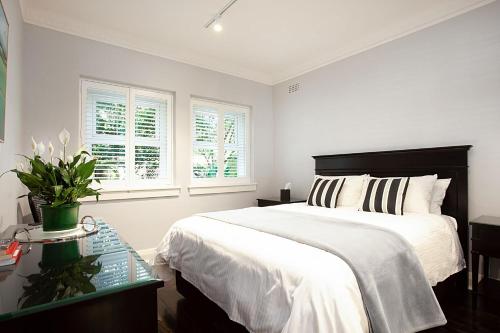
{"x": 33, "y": 144}
{"x": 51, "y": 149}
{"x": 41, "y": 148}
{"x": 64, "y": 137}
{"x": 69, "y": 159}
{"x": 20, "y": 166}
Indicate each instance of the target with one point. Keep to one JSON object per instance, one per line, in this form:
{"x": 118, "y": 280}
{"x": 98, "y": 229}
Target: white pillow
{"x": 350, "y": 195}
{"x": 419, "y": 194}
{"x": 438, "y": 194}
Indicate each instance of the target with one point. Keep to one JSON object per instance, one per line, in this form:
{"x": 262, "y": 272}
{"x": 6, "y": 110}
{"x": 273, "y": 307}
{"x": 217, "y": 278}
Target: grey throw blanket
{"x": 396, "y": 294}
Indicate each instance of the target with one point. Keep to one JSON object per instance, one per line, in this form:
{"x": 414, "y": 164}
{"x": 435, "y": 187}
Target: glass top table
{"x": 53, "y": 275}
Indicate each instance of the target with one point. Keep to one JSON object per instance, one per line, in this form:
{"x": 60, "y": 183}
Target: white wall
{"x": 54, "y": 63}
{"x": 9, "y": 185}
{"x": 437, "y": 87}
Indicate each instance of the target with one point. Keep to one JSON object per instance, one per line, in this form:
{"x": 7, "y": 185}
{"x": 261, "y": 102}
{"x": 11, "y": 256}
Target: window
{"x": 129, "y": 130}
{"x": 220, "y": 143}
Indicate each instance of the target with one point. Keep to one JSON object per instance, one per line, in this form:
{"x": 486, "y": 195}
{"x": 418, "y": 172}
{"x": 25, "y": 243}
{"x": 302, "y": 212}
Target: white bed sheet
{"x": 272, "y": 284}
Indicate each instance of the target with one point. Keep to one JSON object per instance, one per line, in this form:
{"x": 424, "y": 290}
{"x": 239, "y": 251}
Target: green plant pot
{"x": 60, "y": 218}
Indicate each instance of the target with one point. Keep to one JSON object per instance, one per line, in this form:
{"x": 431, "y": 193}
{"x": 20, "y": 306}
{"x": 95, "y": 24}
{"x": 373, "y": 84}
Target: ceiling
{"x": 265, "y": 41}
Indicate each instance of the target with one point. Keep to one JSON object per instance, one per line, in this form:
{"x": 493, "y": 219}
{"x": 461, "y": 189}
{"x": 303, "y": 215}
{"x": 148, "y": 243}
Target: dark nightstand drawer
{"x": 486, "y": 239}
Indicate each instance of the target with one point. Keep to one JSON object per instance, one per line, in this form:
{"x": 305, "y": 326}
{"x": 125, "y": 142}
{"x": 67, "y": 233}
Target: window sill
{"x": 107, "y": 195}
{"x": 221, "y": 188}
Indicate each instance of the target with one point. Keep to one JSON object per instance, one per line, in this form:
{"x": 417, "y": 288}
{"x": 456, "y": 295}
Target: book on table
{"x": 10, "y": 254}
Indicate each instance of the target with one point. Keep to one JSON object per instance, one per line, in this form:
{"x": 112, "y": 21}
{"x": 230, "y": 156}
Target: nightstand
{"x": 276, "y": 201}
{"x": 486, "y": 242}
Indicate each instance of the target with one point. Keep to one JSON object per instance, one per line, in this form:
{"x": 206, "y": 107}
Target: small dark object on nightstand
{"x": 285, "y": 195}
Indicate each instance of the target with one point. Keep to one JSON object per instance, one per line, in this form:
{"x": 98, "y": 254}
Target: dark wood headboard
{"x": 446, "y": 162}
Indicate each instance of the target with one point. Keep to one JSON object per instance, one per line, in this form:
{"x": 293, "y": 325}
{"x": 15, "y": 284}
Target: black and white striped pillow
{"x": 325, "y": 192}
{"x": 385, "y": 195}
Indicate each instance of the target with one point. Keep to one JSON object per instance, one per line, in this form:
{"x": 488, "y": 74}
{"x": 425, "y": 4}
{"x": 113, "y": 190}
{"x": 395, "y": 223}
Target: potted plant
{"x": 60, "y": 182}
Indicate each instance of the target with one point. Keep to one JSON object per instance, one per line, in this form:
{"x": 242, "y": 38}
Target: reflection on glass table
{"x": 53, "y": 275}
{"x": 64, "y": 273}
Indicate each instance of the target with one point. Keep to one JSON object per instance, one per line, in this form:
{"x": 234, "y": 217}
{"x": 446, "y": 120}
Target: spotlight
{"x": 217, "y": 26}
{"x": 215, "y": 21}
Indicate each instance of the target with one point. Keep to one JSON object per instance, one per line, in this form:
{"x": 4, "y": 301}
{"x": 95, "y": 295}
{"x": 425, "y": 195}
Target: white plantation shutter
{"x": 205, "y": 141}
{"x": 129, "y": 131}
{"x": 235, "y": 145}
{"x": 106, "y": 130}
{"x": 151, "y": 137}
{"x": 220, "y": 139}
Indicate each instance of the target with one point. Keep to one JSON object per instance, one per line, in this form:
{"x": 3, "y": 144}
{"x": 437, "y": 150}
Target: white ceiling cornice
{"x": 50, "y": 20}
{"x": 295, "y": 72}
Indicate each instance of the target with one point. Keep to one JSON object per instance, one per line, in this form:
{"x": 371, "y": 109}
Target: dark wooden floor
{"x": 179, "y": 315}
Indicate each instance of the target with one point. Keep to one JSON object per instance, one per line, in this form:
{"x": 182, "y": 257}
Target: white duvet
{"x": 271, "y": 284}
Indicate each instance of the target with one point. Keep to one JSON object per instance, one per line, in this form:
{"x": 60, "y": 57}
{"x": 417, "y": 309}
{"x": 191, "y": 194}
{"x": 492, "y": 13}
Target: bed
{"x": 273, "y": 284}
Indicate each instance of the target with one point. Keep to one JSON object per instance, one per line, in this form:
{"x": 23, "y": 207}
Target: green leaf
{"x": 30, "y": 181}
{"x": 58, "y": 203}
{"x": 85, "y": 170}
{"x": 75, "y": 161}
{"x": 57, "y": 190}
{"x": 66, "y": 177}
{"x": 84, "y": 152}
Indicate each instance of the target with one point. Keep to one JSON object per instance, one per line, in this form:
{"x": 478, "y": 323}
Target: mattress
{"x": 272, "y": 284}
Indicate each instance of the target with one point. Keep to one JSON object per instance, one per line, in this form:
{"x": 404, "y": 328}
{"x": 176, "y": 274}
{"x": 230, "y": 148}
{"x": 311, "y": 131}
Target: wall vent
{"x": 293, "y": 88}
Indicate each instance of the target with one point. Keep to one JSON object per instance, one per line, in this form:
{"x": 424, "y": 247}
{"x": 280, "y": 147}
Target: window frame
{"x": 131, "y": 183}
{"x": 221, "y": 184}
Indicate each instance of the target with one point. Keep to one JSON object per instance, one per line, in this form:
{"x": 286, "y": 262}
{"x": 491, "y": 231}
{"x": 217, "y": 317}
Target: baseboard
{"x": 147, "y": 254}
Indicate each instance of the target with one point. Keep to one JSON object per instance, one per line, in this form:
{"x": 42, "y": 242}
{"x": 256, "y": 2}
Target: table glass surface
{"x": 52, "y": 275}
